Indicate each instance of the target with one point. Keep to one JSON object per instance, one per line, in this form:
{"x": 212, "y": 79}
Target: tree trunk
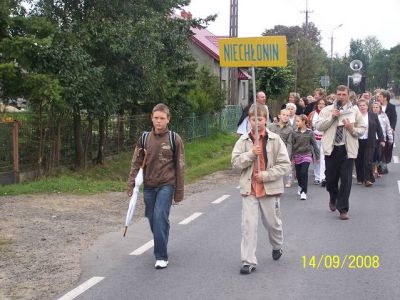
{"x": 79, "y": 153}
{"x": 102, "y": 138}
{"x": 88, "y": 143}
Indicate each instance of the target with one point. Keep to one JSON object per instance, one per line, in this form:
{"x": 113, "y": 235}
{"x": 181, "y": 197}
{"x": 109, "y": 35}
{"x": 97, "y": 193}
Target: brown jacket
{"x": 160, "y": 168}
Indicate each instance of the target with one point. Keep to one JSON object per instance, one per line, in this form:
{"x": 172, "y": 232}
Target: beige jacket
{"x": 328, "y": 124}
{"x": 277, "y": 166}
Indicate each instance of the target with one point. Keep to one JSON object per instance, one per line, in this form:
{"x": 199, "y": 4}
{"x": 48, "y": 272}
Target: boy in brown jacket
{"x": 163, "y": 177}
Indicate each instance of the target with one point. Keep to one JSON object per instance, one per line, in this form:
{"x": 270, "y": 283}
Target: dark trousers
{"x": 339, "y": 167}
{"x": 387, "y": 152}
{"x": 302, "y": 175}
{"x": 158, "y": 202}
{"x": 364, "y": 162}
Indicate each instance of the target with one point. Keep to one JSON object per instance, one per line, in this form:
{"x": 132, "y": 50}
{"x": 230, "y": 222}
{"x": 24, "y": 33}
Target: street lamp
{"x": 332, "y": 38}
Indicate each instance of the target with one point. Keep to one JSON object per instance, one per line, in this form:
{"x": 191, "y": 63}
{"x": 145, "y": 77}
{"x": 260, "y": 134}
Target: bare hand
{"x": 130, "y": 194}
{"x": 256, "y": 150}
{"x": 382, "y": 144}
{"x": 259, "y": 178}
{"x": 348, "y": 125}
{"x": 335, "y": 113}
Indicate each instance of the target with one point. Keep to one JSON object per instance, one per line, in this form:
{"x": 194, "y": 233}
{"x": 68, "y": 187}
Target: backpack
{"x": 171, "y": 137}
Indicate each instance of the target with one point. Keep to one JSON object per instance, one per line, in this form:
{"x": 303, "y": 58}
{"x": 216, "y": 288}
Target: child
{"x": 163, "y": 178}
{"x": 285, "y": 131}
{"x": 261, "y": 191}
{"x": 303, "y": 145}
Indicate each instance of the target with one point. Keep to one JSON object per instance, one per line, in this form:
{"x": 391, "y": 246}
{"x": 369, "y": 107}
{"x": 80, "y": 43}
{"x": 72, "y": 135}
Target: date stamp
{"x": 341, "y": 262}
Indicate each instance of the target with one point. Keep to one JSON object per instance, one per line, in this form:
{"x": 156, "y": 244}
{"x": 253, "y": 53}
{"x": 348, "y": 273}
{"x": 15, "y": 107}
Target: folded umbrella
{"x": 132, "y": 202}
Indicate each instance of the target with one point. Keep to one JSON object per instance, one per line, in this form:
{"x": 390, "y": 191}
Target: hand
{"x": 259, "y": 178}
{"x": 349, "y": 126}
{"x": 256, "y": 150}
{"x": 335, "y": 113}
{"x": 382, "y": 144}
{"x": 130, "y": 194}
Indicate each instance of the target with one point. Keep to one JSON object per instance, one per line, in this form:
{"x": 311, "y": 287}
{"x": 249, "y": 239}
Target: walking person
{"x": 319, "y": 167}
{"x": 390, "y": 110}
{"x": 303, "y": 147}
{"x": 163, "y": 177}
{"x": 387, "y": 135}
{"x": 341, "y": 124}
{"x": 367, "y": 144}
{"x": 260, "y": 191}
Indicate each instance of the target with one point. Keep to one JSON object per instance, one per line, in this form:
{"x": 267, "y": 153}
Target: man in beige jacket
{"x": 341, "y": 124}
{"x": 261, "y": 191}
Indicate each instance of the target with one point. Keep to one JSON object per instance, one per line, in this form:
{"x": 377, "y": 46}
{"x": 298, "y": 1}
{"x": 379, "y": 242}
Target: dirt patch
{"x": 43, "y": 236}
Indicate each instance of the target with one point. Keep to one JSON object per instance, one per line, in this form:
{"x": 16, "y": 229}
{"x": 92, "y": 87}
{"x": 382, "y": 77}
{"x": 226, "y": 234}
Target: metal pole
{"x": 16, "y": 151}
{"x": 255, "y": 115}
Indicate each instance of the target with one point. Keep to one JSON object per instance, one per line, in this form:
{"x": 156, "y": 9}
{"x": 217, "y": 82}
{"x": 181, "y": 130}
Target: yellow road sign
{"x": 266, "y": 51}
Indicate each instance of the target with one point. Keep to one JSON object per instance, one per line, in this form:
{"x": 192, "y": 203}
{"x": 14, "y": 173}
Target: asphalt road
{"x": 205, "y": 253}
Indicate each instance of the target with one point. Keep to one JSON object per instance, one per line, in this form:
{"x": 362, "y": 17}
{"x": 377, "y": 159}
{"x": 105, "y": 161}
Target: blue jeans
{"x": 158, "y": 202}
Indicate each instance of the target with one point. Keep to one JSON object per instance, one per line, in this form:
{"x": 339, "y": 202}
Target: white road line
{"x": 144, "y": 248}
{"x": 238, "y": 187}
{"x": 395, "y": 159}
{"x": 220, "y": 199}
{"x": 398, "y": 185}
{"x": 82, "y": 288}
{"x": 191, "y": 218}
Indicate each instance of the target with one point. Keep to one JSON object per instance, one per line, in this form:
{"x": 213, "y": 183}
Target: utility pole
{"x": 233, "y": 72}
{"x": 307, "y": 12}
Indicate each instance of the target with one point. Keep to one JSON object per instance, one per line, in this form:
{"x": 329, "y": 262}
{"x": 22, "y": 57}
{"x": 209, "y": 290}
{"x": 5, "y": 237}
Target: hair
{"x": 385, "y": 94}
{"x": 377, "y": 103}
{"x": 283, "y": 110}
{"x": 162, "y": 108}
{"x": 343, "y": 88}
{"x": 366, "y": 102}
{"x": 323, "y": 100}
{"x": 262, "y": 110}
{"x": 303, "y": 118}
{"x": 295, "y": 95}
{"x": 291, "y": 104}
{"x": 320, "y": 91}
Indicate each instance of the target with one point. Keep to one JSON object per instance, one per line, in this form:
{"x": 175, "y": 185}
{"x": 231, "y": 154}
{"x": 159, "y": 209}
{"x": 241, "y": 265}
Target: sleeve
{"x": 393, "y": 120}
{"x": 241, "y": 158}
{"x": 180, "y": 170}
{"x": 325, "y": 120}
{"x": 379, "y": 132}
{"x": 359, "y": 125}
{"x": 290, "y": 143}
{"x": 137, "y": 160}
{"x": 389, "y": 131}
{"x": 314, "y": 146}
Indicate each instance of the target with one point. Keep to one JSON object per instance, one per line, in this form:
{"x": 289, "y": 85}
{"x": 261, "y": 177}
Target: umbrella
{"x": 132, "y": 202}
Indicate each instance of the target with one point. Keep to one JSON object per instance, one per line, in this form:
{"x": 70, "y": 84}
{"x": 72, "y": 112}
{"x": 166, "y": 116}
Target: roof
{"x": 208, "y": 42}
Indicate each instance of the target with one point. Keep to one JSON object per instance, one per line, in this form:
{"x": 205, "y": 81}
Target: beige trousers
{"x": 271, "y": 219}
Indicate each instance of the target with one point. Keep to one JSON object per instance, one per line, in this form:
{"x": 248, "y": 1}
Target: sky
{"x": 360, "y": 18}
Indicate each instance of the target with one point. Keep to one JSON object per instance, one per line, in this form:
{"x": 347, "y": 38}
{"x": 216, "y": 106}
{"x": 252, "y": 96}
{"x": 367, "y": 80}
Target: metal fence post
{"x": 16, "y": 151}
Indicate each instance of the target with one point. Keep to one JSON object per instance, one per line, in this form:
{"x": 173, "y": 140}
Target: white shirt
{"x": 365, "y": 135}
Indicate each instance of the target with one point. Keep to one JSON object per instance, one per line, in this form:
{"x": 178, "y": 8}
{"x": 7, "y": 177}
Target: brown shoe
{"x": 344, "y": 216}
{"x": 368, "y": 183}
{"x": 332, "y": 206}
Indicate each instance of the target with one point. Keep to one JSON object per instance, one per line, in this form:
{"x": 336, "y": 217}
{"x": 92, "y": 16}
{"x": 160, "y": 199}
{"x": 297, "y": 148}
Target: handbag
{"x": 382, "y": 168}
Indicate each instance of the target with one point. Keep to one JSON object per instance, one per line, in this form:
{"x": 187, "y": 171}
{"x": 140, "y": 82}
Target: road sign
{"x": 325, "y": 81}
{"x": 267, "y": 51}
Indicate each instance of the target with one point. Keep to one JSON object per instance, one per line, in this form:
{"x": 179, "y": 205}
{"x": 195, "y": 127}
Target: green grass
{"x": 203, "y": 156}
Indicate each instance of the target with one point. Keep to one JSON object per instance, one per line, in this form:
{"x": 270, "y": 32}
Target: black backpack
{"x": 171, "y": 137}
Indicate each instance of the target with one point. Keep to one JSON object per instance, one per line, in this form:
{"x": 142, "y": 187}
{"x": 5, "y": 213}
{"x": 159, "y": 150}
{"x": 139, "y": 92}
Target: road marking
{"x": 238, "y": 187}
{"x": 144, "y": 248}
{"x": 395, "y": 159}
{"x": 220, "y": 199}
{"x": 398, "y": 185}
{"x": 82, "y": 288}
{"x": 191, "y": 218}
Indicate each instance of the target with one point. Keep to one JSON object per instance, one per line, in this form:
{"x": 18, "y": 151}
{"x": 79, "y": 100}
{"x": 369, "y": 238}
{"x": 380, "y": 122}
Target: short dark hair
{"x": 343, "y": 88}
{"x": 385, "y": 94}
{"x": 161, "y": 107}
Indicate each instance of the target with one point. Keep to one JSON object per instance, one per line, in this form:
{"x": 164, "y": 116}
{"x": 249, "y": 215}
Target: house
{"x": 204, "y": 47}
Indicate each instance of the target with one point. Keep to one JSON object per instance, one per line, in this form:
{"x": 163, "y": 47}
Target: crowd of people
{"x": 344, "y": 135}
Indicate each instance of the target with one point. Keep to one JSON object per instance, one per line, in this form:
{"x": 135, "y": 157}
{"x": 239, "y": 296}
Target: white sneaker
{"x": 161, "y": 264}
{"x": 303, "y": 196}
{"x": 298, "y": 190}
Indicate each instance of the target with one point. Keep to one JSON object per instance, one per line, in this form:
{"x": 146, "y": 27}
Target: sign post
{"x": 266, "y": 51}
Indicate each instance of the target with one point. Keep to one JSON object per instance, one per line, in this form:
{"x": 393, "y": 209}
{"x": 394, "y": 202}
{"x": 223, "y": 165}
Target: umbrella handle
{"x": 126, "y": 228}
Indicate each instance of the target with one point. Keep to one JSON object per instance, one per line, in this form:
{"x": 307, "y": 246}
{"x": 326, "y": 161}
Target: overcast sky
{"x": 360, "y": 18}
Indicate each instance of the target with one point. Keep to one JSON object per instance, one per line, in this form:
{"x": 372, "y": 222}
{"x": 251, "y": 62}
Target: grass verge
{"x": 203, "y": 156}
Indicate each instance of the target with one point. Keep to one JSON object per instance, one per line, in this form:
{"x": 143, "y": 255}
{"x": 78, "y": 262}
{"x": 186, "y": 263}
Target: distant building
{"x": 204, "y": 47}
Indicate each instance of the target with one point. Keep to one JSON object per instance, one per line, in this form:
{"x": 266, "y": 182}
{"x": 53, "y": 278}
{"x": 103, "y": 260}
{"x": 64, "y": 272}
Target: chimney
{"x": 186, "y": 15}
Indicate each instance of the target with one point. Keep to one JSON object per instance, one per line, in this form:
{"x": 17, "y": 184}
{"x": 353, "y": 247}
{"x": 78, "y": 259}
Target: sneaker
{"x": 247, "y": 269}
{"x": 303, "y": 196}
{"x": 299, "y": 190}
{"x": 317, "y": 182}
{"x": 323, "y": 183}
{"x": 276, "y": 254}
{"x": 161, "y": 264}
